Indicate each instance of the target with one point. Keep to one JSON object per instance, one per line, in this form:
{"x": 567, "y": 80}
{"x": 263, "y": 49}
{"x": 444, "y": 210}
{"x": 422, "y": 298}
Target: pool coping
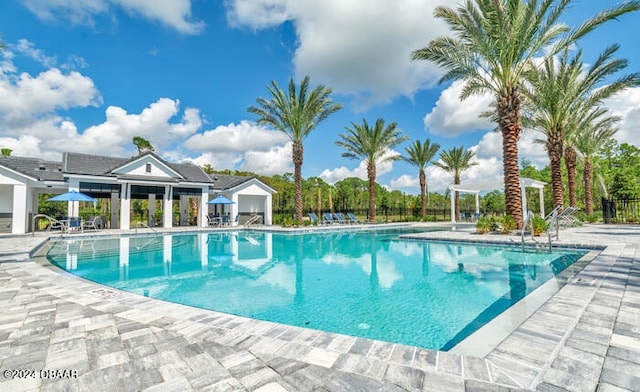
{"x": 512, "y": 364}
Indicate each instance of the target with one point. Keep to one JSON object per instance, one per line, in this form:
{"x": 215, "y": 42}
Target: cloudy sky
{"x": 88, "y": 75}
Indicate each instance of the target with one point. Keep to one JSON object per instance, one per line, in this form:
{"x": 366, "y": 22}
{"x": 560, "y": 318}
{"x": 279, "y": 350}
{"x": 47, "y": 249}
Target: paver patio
{"x": 586, "y": 337}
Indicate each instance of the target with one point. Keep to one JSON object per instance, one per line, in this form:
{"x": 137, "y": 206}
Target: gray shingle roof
{"x": 34, "y": 167}
{"x": 98, "y": 165}
{"x": 225, "y": 181}
{"x": 103, "y": 166}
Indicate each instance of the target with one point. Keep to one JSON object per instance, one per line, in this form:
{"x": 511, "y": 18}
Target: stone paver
{"x": 585, "y": 337}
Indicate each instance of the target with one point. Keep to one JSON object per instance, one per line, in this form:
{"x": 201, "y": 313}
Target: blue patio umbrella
{"x": 221, "y": 200}
{"x": 73, "y": 195}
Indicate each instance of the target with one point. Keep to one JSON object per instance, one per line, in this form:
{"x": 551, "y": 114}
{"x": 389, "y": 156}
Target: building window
{"x": 148, "y": 168}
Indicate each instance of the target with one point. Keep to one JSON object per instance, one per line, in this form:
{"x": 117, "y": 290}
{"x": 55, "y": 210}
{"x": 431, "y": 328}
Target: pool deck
{"x": 585, "y": 337}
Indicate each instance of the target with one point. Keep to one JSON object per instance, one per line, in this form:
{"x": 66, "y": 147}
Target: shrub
{"x": 539, "y": 225}
{"x": 484, "y": 225}
{"x": 508, "y": 224}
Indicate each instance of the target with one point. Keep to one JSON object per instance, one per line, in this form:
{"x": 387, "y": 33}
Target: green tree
{"x": 592, "y": 133}
{"x": 295, "y": 113}
{"x": 456, "y": 161}
{"x": 561, "y": 92}
{"x": 493, "y": 44}
{"x": 6, "y": 152}
{"x": 142, "y": 144}
{"x": 207, "y": 168}
{"x": 419, "y": 155}
{"x": 371, "y": 144}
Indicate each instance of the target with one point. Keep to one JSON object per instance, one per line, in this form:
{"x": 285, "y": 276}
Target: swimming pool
{"x": 368, "y": 283}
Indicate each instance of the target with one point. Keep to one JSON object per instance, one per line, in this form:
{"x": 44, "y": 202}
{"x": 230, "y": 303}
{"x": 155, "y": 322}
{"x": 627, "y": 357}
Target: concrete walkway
{"x": 585, "y": 337}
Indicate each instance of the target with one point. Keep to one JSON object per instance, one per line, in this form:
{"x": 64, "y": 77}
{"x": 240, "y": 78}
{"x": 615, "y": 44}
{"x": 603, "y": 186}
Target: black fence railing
{"x": 382, "y": 214}
{"x": 620, "y": 211}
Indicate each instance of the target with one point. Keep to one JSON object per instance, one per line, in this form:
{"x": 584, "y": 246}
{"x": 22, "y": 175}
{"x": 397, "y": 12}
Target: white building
{"x": 122, "y": 180}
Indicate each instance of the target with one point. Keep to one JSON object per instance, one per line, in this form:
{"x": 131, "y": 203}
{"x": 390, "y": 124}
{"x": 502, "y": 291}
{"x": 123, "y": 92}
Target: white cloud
{"x": 276, "y": 160}
{"x": 342, "y": 172}
{"x": 27, "y": 48}
{"x": 153, "y": 124}
{"x": 236, "y": 138}
{"x": 626, "y": 105}
{"x": 49, "y": 91}
{"x": 452, "y": 117}
{"x": 175, "y": 13}
{"x": 406, "y": 181}
{"x": 359, "y": 47}
{"x": 245, "y": 146}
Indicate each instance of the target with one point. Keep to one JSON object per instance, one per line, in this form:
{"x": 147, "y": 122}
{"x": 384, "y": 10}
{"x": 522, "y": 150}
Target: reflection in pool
{"x": 365, "y": 283}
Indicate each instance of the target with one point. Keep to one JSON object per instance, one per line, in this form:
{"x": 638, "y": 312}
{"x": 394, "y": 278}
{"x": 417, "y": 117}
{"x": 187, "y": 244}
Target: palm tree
{"x": 456, "y": 161}
{"x": 493, "y": 44}
{"x": 419, "y": 155}
{"x": 296, "y": 114}
{"x": 371, "y": 144}
{"x": 592, "y": 133}
{"x": 560, "y": 91}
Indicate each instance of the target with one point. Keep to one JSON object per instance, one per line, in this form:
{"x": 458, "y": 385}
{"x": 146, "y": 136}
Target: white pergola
{"x": 476, "y": 189}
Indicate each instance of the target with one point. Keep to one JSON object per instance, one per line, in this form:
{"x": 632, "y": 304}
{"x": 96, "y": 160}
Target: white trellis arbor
{"x": 476, "y": 189}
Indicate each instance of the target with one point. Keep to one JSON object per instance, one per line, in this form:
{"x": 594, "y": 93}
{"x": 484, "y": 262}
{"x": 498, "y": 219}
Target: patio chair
{"x": 340, "y": 218}
{"x": 328, "y": 218}
{"x": 225, "y": 220}
{"x": 71, "y": 223}
{"x": 213, "y": 220}
{"x": 92, "y": 224}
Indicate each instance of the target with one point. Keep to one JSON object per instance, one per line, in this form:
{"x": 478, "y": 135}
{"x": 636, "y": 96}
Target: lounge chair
{"x": 340, "y": 218}
{"x": 328, "y": 218}
{"x": 314, "y": 218}
{"x": 353, "y": 218}
{"x": 567, "y": 217}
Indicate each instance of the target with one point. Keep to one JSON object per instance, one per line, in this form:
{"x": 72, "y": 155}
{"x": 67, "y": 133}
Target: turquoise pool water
{"x": 365, "y": 283}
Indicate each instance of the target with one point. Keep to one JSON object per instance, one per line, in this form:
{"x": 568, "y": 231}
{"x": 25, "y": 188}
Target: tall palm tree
{"x": 592, "y": 133}
{"x": 560, "y": 92}
{"x": 493, "y": 44}
{"x": 371, "y": 144}
{"x": 456, "y": 161}
{"x": 296, "y": 114}
{"x": 419, "y": 155}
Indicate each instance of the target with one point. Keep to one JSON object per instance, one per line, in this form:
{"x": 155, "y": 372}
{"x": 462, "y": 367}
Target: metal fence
{"x": 620, "y": 211}
{"x": 389, "y": 214}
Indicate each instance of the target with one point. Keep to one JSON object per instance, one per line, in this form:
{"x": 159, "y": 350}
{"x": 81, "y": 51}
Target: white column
{"x": 19, "y": 219}
{"x": 73, "y": 207}
{"x": 235, "y": 208}
{"x": 452, "y": 194}
{"x": 203, "y": 207}
{"x": 125, "y": 207}
{"x": 167, "y": 208}
{"x": 541, "y": 192}
{"x": 268, "y": 211}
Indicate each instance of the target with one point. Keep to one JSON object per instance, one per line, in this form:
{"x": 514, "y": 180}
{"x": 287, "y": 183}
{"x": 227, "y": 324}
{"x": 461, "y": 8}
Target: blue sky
{"x": 88, "y": 75}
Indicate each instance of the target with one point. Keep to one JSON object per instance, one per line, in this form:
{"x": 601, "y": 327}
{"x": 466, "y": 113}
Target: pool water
{"x": 368, "y": 283}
